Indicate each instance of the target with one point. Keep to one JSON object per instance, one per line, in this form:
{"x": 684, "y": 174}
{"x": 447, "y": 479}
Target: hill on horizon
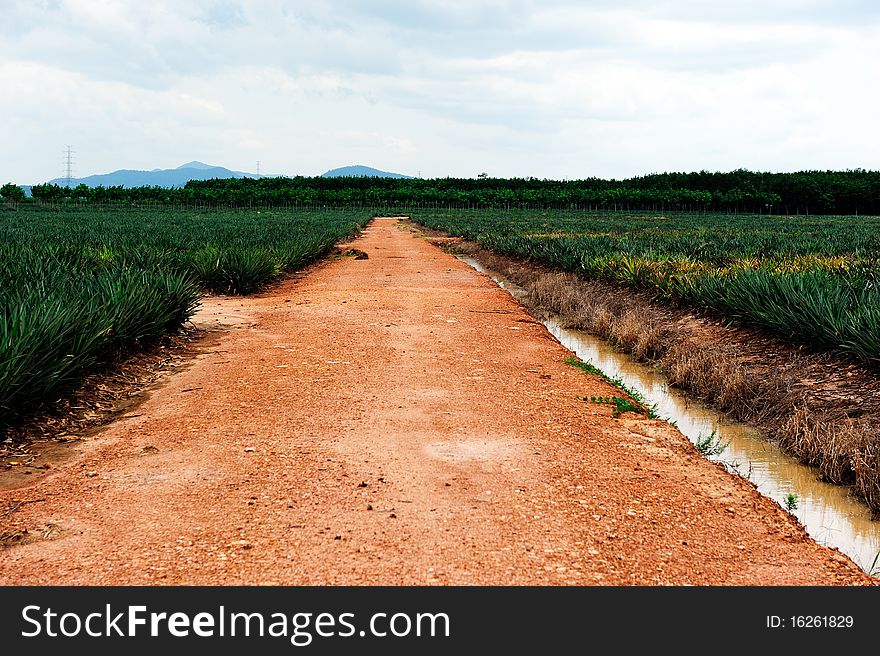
{"x": 360, "y": 171}
{"x": 196, "y": 170}
{"x": 176, "y": 177}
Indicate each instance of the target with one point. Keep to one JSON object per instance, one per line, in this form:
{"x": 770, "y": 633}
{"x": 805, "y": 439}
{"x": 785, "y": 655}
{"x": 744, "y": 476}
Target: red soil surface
{"x": 394, "y": 420}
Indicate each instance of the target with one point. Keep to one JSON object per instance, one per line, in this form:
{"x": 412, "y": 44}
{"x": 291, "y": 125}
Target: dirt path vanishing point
{"x": 394, "y": 420}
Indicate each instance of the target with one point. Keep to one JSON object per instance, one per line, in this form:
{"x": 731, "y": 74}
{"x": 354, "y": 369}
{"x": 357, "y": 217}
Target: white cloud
{"x": 550, "y": 89}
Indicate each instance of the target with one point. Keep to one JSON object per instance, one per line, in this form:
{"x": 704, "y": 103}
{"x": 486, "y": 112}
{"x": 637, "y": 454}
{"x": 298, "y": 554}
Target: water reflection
{"x": 828, "y": 513}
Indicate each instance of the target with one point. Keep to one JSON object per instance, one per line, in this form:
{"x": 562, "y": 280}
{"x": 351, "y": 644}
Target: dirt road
{"x": 394, "y": 420}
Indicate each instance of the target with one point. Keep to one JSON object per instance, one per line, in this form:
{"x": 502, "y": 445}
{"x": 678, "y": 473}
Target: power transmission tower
{"x": 258, "y": 168}
{"x": 68, "y": 160}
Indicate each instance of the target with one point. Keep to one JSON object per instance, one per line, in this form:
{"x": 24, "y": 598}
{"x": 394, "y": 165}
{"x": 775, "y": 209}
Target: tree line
{"x": 854, "y": 191}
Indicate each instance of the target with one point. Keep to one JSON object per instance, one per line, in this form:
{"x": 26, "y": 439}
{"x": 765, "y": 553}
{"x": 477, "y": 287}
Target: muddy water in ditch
{"x": 828, "y": 513}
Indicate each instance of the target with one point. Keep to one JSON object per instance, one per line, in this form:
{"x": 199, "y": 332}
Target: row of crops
{"x": 813, "y": 280}
{"x": 81, "y": 287}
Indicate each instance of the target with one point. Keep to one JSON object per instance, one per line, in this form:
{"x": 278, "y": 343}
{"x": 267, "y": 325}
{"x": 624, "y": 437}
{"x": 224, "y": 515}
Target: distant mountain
{"x": 196, "y": 164}
{"x": 360, "y": 172}
{"x": 157, "y": 177}
{"x": 195, "y": 170}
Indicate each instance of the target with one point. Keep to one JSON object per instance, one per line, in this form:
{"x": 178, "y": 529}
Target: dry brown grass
{"x": 866, "y": 465}
{"x": 839, "y": 447}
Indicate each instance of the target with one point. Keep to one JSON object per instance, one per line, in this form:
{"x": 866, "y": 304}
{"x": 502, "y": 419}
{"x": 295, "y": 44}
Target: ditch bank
{"x": 822, "y": 408}
{"x": 829, "y": 513}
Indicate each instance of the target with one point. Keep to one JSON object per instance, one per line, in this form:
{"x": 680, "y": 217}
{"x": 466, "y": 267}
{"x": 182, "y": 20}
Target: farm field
{"x": 812, "y": 280}
{"x": 81, "y": 287}
{"x": 400, "y": 420}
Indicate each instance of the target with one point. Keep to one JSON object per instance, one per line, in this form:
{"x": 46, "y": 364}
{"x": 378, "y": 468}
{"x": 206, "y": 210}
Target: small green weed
{"x": 619, "y": 404}
{"x": 587, "y": 367}
{"x": 791, "y": 502}
{"x": 710, "y": 445}
{"x": 638, "y": 403}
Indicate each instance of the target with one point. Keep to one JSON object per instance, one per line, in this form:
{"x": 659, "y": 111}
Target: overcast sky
{"x": 550, "y": 89}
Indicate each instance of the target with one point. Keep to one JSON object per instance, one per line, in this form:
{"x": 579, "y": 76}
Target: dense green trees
{"x": 11, "y": 192}
{"x": 854, "y": 191}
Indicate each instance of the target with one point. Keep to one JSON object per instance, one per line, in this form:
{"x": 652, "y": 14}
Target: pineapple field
{"x": 814, "y": 280}
{"x": 80, "y": 287}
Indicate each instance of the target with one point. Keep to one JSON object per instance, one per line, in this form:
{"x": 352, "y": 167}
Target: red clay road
{"x": 394, "y": 420}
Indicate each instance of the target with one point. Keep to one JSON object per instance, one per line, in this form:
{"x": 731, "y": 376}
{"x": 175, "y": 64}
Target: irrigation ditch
{"x": 799, "y": 425}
